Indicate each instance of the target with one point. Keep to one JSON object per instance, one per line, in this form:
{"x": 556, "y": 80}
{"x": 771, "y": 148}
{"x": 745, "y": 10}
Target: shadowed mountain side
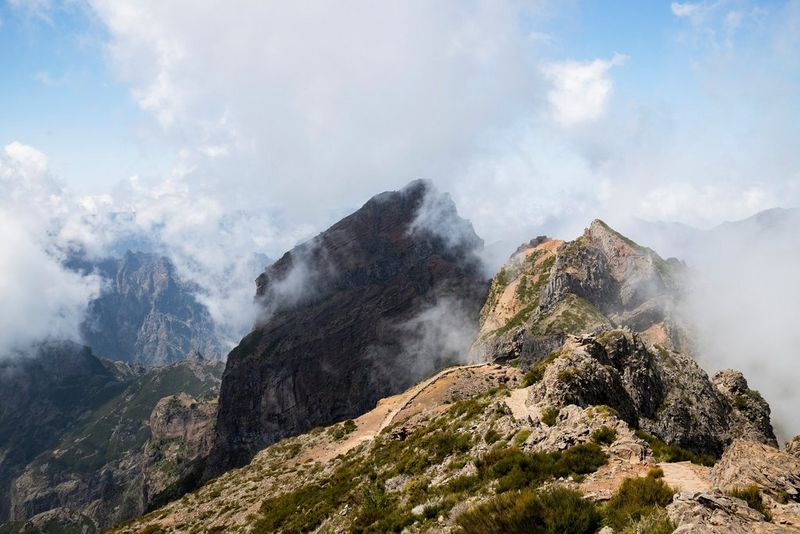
{"x": 372, "y": 305}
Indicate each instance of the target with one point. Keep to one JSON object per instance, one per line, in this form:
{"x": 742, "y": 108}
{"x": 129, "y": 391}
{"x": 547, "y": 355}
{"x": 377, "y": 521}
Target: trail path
{"x": 430, "y": 393}
{"x": 516, "y": 402}
{"x": 686, "y": 476}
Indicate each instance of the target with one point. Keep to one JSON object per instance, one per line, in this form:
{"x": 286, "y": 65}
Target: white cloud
{"x": 325, "y": 104}
{"x": 685, "y": 9}
{"x": 29, "y": 162}
{"x": 40, "y": 298}
{"x": 581, "y": 90}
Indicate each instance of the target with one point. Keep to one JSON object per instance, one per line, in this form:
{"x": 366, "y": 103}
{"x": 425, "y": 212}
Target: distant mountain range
{"x": 145, "y": 313}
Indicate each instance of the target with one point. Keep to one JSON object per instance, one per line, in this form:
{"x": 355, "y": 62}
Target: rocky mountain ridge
{"x": 356, "y": 314}
{"x": 595, "y": 400}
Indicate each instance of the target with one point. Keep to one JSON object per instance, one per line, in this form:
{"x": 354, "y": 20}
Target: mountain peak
{"x": 361, "y": 311}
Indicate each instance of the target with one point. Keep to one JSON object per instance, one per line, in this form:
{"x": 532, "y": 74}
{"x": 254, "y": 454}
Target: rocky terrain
{"x": 124, "y": 453}
{"x": 145, "y": 314}
{"x": 602, "y": 279}
{"x": 382, "y": 390}
{"x": 471, "y": 438}
{"x": 593, "y": 416}
{"x": 367, "y": 308}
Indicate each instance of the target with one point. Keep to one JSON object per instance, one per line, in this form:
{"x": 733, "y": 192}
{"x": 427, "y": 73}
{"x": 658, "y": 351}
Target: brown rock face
{"x": 367, "y": 308}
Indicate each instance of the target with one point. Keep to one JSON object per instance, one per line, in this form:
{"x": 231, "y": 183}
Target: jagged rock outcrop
{"x": 750, "y": 414}
{"x": 716, "y": 513}
{"x": 111, "y": 467}
{"x": 372, "y": 305}
{"x": 793, "y": 446}
{"x": 776, "y": 472}
{"x": 661, "y": 391}
{"x": 145, "y": 314}
{"x": 550, "y": 288}
{"x": 44, "y": 392}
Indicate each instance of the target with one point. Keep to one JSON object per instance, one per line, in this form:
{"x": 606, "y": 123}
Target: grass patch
{"x": 549, "y": 416}
{"x": 522, "y": 436}
{"x": 604, "y": 435}
{"x": 673, "y": 453}
{"x": 514, "y": 469}
{"x": 635, "y": 499}
{"x": 491, "y": 436}
{"x": 752, "y": 496}
{"x": 536, "y": 373}
{"x": 552, "y": 511}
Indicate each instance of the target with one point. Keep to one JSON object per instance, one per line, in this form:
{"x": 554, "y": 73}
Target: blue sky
{"x": 60, "y": 93}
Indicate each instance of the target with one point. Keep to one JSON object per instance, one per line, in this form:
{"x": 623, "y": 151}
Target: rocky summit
{"x": 364, "y": 310}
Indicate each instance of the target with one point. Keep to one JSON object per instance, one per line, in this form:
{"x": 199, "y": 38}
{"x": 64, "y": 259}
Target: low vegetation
{"x": 604, "y": 435}
{"x": 552, "y": 511}
{"x": 752, "y": 496}
{"x": 366, "y": 481}
{"x": 636, "y": 499}
{"x": 673, "y": 453}
{"x": 536, "y": 373}
{"x": 549, "y": 415}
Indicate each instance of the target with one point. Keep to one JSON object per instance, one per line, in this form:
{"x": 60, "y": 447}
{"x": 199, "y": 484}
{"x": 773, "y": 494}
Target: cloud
{"x": 29, "y": 162}
{"x": 39, "y": 9}
{"x": 581, "y": 90}
{"x": 686, "y": 9}
{"x": 325, "y": 104}
{"x": 41, "y": 299}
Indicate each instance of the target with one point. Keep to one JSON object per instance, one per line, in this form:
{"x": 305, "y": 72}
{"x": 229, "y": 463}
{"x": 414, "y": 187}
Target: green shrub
{"x": 604, "y": 435}
{"x": 306, "y": 507}
{"x": 752, "y": 496}
{"x": 536, "y": 373}
{"x": 549, "y": 416}
{"x": 463, "y": 483}
{"x": 553, "y": 511}
{"x": 656, "y": 472}
{"x": 522, "y": 436}
{"x": 491, "y": 436}
{"x": 514, "y": 469}
{"x": 338, "y": 432}
{"x": 673, "y": 453}
{"x": 636, "y": 498}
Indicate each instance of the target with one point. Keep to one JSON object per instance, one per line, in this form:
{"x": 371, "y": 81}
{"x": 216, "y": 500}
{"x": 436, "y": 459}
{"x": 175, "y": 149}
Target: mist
{"x": 741, "y": 300}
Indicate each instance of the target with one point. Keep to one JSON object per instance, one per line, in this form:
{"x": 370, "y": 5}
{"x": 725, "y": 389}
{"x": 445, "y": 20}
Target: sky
{"x": 222, "y": 134}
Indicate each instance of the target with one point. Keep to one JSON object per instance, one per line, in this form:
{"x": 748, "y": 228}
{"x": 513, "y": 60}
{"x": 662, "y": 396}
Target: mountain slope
{"x": 146, "y": 314}
{"x": 367, "y": 308}
{"x": 43, "y": 394}
{"x": 550, "y": 288}
{"x": 608, "y": 410}
{"x": 128, "y": 452}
